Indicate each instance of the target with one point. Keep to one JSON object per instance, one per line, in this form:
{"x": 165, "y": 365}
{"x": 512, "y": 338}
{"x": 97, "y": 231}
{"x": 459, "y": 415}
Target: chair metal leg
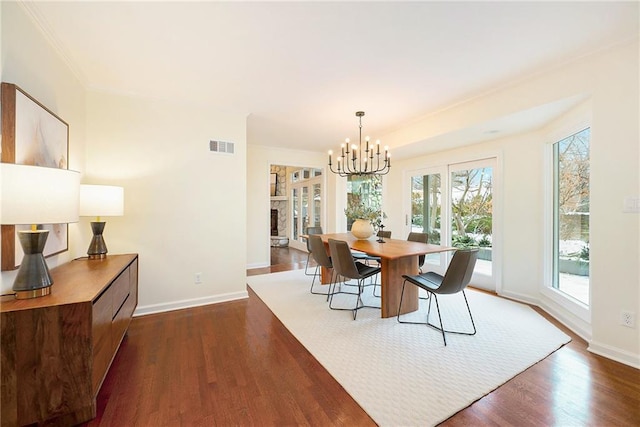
{"x": 343, "y": 283}
{"x": 332, "y": 292}
{"x": 359, "y": 303}
{"x": 431, "y": 325}
{"x": 317, "y": 274}
{"x": 444, "y": 338}
{"x": 375, "y": 286}
{"x": 358, "y": 300}
{"x": 443, "y": 330}
{"x": 306, "y": 267}
{"x": 470, "y": 315}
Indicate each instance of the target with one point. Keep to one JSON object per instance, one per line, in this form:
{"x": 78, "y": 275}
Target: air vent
{"x": 221, "y": 147}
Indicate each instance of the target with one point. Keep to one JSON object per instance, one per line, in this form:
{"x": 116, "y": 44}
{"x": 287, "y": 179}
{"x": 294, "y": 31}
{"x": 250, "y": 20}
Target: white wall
{"x": 259, "y": 161}
{"x": 29, "y": 62}
{"x": 611, "y": 79}
{"x": 185, "y": 207}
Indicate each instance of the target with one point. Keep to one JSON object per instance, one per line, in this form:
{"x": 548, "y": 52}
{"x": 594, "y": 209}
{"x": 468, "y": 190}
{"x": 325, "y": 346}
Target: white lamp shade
{"x": 101, "y": 200}
{"x": 38, "y": 195}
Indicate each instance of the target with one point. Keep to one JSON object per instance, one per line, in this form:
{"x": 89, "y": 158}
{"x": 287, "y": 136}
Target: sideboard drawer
{"x": 120, "y": 291}
{"x": 120, "y": 324}
{"x": 101, "y": 327}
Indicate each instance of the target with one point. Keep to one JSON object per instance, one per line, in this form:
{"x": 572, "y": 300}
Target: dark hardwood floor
{"x": 235, "y": 364}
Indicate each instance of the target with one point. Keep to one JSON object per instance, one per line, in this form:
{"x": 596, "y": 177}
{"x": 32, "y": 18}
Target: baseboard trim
{"x": 580, "y": 328}
{"x": 258, "y": 265}
{"x": 195, "y": 302}
{"x": 519, "y": 298}
{"x": 614, "y": 353}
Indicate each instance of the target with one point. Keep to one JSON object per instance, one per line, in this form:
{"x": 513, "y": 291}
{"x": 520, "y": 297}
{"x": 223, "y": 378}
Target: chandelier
{"x": 361, "y": 160}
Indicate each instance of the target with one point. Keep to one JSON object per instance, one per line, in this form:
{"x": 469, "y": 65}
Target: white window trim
{"x": 563, "y": 300}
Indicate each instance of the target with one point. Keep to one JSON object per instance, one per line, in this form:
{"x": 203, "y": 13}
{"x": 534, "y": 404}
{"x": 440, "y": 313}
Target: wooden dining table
{"x": 397, "y": 257}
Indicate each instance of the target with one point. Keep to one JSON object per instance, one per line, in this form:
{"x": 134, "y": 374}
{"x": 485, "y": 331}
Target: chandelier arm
{"x": 331, "y": 169}
{"x": 345, "y": 165}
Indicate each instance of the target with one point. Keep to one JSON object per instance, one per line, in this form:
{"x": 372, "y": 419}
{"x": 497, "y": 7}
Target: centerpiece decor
{"x": 364, "y": 218}
{"x": 362, "y": 229}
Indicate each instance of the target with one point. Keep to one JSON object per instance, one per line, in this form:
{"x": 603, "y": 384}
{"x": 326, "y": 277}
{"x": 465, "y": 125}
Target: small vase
{"x": 362, "y": 229}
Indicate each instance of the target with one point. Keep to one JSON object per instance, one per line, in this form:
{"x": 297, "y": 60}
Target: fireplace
{"x": 277, "y": 240}
{"x": 274, "y": 222}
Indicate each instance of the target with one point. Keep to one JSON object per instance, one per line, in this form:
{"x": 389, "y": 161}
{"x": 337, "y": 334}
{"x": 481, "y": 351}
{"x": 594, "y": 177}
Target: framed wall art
{"x": 31, "y": 135}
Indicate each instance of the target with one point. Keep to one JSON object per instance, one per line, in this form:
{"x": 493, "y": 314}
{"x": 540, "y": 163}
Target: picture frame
{"x": 274, "y": 184}
{"x": 31, "y": 135}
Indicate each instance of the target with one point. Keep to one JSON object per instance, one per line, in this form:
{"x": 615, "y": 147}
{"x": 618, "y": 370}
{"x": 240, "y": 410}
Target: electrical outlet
{"x": 198, "y": 278}
{"x": 628, "y": 318}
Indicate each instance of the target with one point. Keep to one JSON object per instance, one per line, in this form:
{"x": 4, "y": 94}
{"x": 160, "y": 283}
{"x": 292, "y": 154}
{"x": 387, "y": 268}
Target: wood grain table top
{"x": 390, "y": 249}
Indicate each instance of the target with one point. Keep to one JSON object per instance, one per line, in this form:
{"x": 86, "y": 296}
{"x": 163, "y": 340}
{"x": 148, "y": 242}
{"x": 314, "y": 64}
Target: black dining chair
{"x": 322, "y": 259}
{"x": 347, "y": 268}
{"x": 310, "y": 231}
{"x": 455, "y": 279}
{"x": 415, "y": 236}
{"x": 366, "y": 258}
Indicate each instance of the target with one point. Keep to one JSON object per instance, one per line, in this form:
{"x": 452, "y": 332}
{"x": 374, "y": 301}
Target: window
{"x": 426, "y": 208}
{"x": 426, "y": 205}
{"x": 472, "y": 213}
{"x": 366, "y": 189}
{"x": 571, "y": 216}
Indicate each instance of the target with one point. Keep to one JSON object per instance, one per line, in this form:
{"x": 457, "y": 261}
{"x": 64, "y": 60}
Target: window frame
{"x": 495, "y": 157}
{"x": 557, "y": 133}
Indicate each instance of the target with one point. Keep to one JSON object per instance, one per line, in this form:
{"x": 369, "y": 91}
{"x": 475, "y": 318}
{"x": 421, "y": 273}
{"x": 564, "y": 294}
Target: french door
{"x": 454, "y": 205}
{"x": 306, "y": 204}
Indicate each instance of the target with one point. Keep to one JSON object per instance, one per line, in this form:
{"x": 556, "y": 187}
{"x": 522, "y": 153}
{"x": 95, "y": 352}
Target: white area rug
{"x": 403, "y": 375}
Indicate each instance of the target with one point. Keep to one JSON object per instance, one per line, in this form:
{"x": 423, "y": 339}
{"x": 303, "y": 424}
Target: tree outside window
{"x": 571, "y": 215}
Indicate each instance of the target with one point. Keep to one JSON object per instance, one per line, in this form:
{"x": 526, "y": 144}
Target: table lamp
{"x": 36, "y": 195}
{"x": 100, "y": 200}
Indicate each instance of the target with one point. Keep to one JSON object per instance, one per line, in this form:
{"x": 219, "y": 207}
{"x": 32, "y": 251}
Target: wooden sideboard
{"x": 56, "y": 349}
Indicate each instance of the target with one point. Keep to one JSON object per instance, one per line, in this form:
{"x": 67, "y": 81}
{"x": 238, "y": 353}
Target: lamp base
{"x": 35, "y": 293}
{"x": 33, "y": 279}
{"x": 97, "y": 247}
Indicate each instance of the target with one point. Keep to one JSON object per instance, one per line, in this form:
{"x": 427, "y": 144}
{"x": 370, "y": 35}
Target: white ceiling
{"x": 300, "y": 70}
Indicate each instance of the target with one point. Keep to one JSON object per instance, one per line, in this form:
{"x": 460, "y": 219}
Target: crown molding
{"x": 32, "y": 11}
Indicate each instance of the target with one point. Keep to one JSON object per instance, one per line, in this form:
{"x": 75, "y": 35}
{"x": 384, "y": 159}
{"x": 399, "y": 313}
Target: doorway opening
{"x": 298, "y": 199}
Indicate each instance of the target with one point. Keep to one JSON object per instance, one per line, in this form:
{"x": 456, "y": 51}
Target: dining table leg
{"x": 391, "y": 283}
{"x": 325, "y": 275}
